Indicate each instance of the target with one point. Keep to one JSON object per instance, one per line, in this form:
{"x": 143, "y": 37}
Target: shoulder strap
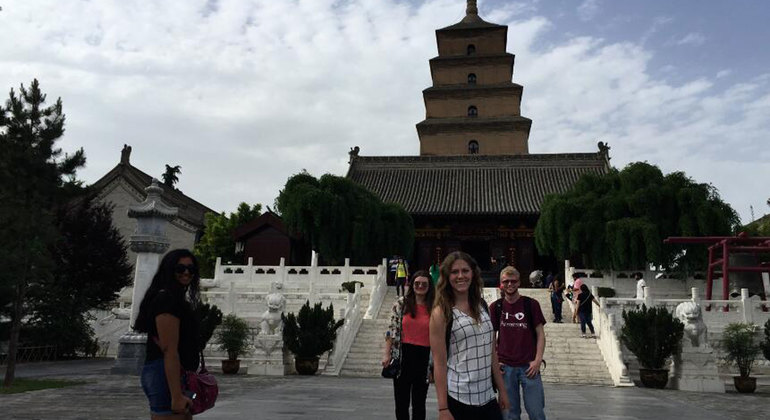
{"x": 498, "y": 309}
{"x": 528, "y": 313}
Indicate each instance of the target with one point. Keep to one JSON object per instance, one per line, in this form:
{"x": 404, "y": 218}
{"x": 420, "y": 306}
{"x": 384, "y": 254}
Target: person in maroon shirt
{"x": 519, "y": 323}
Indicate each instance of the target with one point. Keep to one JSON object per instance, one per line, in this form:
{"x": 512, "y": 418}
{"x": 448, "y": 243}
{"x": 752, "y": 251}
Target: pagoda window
{"x": 472, "y": 78}
{"x": 473, "y": 111}
{"x": 473, "y": 147}
{"x": 471, "y": 49}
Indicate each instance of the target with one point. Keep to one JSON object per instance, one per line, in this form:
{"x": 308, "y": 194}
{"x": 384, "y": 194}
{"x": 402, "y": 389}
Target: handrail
{"x": 346, "y": 334}
{"x": 609, "y": 345}
{"x": 379, "y": 290}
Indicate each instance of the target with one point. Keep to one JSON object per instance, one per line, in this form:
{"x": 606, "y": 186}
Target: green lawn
{"x": 24, "y": 385}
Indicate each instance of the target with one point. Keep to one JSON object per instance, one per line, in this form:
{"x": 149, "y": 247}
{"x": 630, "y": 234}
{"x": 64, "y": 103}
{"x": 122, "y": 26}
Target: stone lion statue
{"x": 536, "y": 278}
{"x": 694, "y": 327}
{"x": 271, "y": 318}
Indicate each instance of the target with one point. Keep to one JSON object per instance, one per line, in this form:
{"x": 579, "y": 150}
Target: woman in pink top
{"x": 408, "y": 340}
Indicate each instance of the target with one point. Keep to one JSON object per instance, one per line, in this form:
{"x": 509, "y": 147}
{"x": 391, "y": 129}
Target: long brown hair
{"x": 410, "y": 301}
{"x": 445, "y": 295}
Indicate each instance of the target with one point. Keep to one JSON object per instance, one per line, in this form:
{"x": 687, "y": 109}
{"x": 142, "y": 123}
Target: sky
{"x": 242, "y": 94}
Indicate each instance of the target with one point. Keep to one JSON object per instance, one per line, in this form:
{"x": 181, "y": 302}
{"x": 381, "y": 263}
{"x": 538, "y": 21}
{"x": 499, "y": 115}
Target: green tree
{"x": 340, "y": 219}
{"x": 91, "y": 266}
{"x": 32, "y": 174}
{"x": 170, "y": 177}
{"x": 619, "y": 220}
{"x": 217, "y": 240}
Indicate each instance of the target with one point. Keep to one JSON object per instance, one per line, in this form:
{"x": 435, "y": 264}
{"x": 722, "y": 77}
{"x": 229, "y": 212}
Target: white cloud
{"x": 243, "y": 94}
{"x": 692, "y": 39}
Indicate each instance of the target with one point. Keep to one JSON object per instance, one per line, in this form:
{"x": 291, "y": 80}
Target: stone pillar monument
{"x": 149, "y": 242}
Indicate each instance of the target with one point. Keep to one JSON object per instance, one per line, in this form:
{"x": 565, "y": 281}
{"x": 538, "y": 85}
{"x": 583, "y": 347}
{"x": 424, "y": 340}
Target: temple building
{"x": 474, "y": 187}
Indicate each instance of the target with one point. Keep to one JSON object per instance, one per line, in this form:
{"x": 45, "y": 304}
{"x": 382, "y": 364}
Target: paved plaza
{"x": 106, "y": 396}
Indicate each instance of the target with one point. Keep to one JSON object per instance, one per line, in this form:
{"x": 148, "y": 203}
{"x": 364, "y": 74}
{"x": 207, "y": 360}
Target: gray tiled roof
{"x": 472, "y": 184}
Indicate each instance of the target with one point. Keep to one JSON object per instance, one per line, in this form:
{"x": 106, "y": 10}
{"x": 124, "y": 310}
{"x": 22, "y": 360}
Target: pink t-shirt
{"x": 516, "y": 346}
{"x": 415, "y": 330}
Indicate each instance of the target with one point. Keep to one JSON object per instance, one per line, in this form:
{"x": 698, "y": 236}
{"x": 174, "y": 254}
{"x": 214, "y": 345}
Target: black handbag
{"x": 392, "y": 369}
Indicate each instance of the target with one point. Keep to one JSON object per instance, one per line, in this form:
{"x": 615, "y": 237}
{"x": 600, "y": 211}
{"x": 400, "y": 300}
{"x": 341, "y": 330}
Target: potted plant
{"x": 309, "y": 335}
{"x": 652, "y": 335}
{"x": 741, "y": 349}
{"x": 233, "y": 336}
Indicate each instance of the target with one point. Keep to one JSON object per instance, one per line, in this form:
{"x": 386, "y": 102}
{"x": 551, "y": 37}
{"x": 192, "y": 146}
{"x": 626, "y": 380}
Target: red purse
{"x": 202, "y": 387}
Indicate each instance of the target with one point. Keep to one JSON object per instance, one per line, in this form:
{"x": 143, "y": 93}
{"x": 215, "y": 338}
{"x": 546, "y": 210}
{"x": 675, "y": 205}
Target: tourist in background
{"x": 402, "y": 272}
{"x": 640, "y": 285}
{"x": 584, "y": 310}
{"x": 408, "y": 340}
{"x": 557, "y": 298}
{"x": 466, "y": 366}
{"x": 166, "y": 315}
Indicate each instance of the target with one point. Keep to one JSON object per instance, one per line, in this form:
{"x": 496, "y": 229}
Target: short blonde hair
{"x": 510, "y": 271}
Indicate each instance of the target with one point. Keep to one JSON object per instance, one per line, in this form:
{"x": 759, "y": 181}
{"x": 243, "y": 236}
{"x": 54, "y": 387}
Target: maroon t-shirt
{"x": 516, "y": 345}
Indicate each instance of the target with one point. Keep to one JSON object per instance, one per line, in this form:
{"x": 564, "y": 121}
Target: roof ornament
{"x": 472, "y": 9}
{"x": 353, "y": 154}
{"x": 471, "y": 13}
{"x": 604, "y": 149}
{"x": 125, "y": 155}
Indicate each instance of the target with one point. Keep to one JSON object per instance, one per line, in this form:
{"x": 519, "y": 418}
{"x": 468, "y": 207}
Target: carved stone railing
{"x": 346, "y": 334}
{"x": 379, "y": 290}
{"x": 610, "y": 346}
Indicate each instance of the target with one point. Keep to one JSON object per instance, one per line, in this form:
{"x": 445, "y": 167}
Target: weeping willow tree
{"x": 619, "y": 220}
{"x": 340, "y": 219}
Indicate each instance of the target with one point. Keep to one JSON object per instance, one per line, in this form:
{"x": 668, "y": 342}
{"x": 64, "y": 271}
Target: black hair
{"x": 165, "y": 280}
{"x": 410, "y": 301}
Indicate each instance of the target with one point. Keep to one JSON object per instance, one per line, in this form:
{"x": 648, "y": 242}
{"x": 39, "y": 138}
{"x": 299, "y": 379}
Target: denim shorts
{"x": 155, "y": 387}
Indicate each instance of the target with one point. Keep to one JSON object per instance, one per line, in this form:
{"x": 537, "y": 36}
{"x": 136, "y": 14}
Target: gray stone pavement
{"x": 106, "y": 396}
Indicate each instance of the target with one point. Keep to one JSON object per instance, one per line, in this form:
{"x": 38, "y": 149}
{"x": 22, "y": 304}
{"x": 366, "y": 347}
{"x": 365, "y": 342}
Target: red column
{"x": 725, "y": 274}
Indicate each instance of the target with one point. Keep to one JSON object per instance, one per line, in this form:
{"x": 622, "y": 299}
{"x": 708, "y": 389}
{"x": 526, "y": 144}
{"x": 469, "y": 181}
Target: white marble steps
{"x": 366, "y": 352}
{"x": 570, "y": 358}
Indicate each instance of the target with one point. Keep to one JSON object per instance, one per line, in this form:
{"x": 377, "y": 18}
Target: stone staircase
{"x": 365, "y": 355}
{"x": 570, "y": 358}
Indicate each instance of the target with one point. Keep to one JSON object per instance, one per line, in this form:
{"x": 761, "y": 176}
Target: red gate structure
{"x": 719, "y": 256}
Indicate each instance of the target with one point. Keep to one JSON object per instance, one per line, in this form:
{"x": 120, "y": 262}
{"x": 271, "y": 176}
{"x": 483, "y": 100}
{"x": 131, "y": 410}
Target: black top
{"x": 165, "y": 303}
{"x": 585, "y": 300}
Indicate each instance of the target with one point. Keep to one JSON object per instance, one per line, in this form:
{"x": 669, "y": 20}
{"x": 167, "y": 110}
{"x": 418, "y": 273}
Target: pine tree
{"x": 32, "y": 174}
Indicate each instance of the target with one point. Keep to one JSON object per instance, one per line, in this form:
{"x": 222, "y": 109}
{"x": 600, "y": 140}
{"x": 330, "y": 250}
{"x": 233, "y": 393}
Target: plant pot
{"x": 654, "y": 378}
{"x": 230, "y": 367}
{"x": 745, "y": 384}
{"x": 306, "y": 365}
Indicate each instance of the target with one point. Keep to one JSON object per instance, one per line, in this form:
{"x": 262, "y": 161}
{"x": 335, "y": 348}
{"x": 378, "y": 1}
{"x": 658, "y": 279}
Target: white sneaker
{"x": 582, "y": 335}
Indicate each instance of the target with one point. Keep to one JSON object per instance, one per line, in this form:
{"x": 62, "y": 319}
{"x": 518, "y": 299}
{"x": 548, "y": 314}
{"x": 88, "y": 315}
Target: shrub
{"x": 652, "y": 335}
{"x": 606, "y": 292}
{"x": 740, "y": 347}
{"x": 233, "y": 336}
{"x": 312, "y": 332}
{"x": 765, "y": 344}
{"x": 350, "y": 286}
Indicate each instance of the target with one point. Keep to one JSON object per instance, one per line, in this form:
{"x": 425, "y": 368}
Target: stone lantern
{"x": 149, "y": 242}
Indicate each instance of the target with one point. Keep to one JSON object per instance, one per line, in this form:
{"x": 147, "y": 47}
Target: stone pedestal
{"x": 131, "y": 352}
{"x": 695, "y": 369}
{"x": 149, "y": 242}
{"x": 268, "y": 359}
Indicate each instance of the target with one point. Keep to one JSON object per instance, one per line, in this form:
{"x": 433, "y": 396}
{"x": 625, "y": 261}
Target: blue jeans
{"x": 585, "y": 319}
{"x": 515, "y": 377}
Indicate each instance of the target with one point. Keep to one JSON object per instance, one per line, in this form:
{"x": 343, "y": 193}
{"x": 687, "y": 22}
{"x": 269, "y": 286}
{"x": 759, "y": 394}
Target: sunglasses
{"x": 420, "y": 284}
{"x": 181, "y": 268}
